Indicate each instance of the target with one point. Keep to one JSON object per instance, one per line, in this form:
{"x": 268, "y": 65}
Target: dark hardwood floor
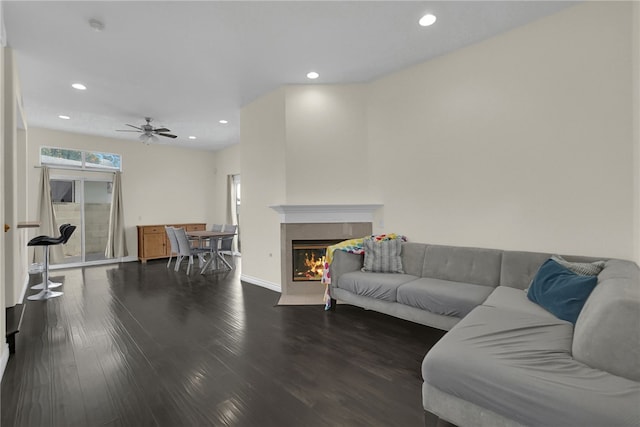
{"x": 140, "y": 345}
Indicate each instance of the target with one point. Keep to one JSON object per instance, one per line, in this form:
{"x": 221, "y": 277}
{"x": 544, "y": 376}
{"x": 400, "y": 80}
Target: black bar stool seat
{"x": 66, "y": 230}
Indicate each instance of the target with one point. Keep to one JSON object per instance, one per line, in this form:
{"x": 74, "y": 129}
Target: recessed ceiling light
{"x": 224, "y": 122}
{"x": 79, "y": 86}
{"x": 192, "y": 137}
{"x": 312, "y": 75}
{"x": 64, "y": 117}
{"x": 427, "y": 20}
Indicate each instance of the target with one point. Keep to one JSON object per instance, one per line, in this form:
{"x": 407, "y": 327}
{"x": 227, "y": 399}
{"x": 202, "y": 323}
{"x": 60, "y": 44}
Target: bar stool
{"x": 33, "y": 242}
{"x": 66, "y": 230}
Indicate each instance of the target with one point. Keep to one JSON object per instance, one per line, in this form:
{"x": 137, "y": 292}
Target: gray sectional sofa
{"x": 506, "y": 361}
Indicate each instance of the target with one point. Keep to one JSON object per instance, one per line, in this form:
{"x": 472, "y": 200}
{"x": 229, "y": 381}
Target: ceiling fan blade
{"x": 158, "y": 130}
{"x": 167, "y": 135}
{"x": 126, "y": 130}
{"x": 135, "y": 127}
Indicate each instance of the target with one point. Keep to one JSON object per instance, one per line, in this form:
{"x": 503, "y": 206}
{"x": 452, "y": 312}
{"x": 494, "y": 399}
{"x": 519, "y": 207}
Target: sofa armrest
{"x": 344, "y": 262}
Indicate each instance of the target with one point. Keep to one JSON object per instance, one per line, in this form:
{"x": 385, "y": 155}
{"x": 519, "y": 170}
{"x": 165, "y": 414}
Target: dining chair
{"x": 226, "y": 243}
{"x": 185, "y": 249}
{"x": 171, "y": 235}
{"x": 214, "y": 241}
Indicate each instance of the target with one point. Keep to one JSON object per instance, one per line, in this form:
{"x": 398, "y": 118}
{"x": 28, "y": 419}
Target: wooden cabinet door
{"x": 155, "y": 244}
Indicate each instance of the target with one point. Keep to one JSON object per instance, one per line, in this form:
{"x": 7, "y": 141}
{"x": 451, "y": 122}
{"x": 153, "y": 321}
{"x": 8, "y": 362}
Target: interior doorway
{"x": 85, "y": 203}
{"x": 236, "y": 191}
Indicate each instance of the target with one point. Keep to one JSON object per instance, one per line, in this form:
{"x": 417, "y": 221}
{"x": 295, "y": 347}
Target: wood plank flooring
{"x": 141, "y": 345}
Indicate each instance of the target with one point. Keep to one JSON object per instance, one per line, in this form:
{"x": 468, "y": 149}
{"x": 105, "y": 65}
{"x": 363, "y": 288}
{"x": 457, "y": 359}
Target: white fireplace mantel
{"x": 297, "y": 214}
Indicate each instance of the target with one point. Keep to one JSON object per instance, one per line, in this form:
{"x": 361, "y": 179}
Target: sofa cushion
{"x": 465, "y": 265}
{"x": 382, "y": 256}
{"x": 518, "y": 268}
{"x": 507, "y": 298}
{"x": 413, "y": 257}
{"x": 607, "y": 333}
{"x": 443, "y": 296}
{"x": 374, "y": 285}
{"x": 560, "y": 290}
{"x": 519, "y": 365}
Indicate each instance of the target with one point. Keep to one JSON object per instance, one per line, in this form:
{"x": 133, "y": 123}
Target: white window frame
{"x": 83, "y": 163}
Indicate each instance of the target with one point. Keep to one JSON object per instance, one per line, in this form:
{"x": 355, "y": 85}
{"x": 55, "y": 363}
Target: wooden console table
{"x": 153, "y": 242}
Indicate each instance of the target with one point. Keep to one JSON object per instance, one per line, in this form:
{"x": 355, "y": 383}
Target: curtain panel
{"x": 48, "y": 223}
{"x": 232, "y": 217}
{"x": 116, "y": 241}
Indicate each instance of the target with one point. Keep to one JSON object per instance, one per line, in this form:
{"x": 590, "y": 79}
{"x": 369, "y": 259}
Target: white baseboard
{"x": 265, "y": 284}
{"x": 4, "y": 359}
{"x": 25, "y": 286}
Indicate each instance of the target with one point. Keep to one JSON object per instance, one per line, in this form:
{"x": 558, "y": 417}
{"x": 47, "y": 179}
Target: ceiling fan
{"x": 148, "y": 132}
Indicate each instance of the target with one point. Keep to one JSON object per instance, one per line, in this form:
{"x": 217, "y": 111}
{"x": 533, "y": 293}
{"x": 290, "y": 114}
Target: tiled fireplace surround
{"x": 317, "y": 222}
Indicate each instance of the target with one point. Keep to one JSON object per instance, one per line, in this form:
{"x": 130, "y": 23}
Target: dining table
{"x": 214, "y": 238}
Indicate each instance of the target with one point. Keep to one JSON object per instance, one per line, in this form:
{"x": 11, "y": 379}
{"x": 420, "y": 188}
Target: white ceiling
{"x": 190, "y": 64}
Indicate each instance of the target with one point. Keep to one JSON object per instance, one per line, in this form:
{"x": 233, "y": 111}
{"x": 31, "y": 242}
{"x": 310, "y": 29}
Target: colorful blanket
{"x": 354, "y": 246}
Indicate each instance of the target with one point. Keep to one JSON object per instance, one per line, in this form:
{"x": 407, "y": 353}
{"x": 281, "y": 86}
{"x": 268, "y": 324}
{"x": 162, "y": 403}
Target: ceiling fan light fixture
{"x": 148, "y": 132}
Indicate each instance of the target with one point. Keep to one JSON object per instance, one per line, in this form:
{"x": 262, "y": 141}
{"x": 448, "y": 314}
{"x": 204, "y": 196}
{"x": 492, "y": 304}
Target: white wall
{"x": 520, "y": 142}
{"x": 263, "y": 164}
{"x": 14, "y": 202}
{"x": 635, "y": 72}
{"x": 326, "y": 144}
{"x": 160, "y": 184}
{"x": 13, "y": 254}
{"x": 4, "y": 349}
{"x": 524, "y": 141}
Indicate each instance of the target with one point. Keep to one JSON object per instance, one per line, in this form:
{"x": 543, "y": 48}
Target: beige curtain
{"x": 48, "y": 223}
{"x": 232, "y": 217}
{"x": 116, "y": 242}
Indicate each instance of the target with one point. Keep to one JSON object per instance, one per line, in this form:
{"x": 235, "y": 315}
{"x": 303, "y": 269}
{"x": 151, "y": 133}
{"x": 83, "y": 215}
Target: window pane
{"x": 102, "y": 160}
{"x": 62, "y": 191}
{"x": 60, "y": 156}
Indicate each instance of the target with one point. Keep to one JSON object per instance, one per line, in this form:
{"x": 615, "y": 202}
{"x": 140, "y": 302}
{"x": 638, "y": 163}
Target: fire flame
{"x": 315, "y": 266}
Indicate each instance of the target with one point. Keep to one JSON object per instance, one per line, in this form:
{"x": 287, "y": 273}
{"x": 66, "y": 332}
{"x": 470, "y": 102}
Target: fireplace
{"x": 327, "y": 234}
{"x": 311, "y": 224}
{"x": 308, "y": 259}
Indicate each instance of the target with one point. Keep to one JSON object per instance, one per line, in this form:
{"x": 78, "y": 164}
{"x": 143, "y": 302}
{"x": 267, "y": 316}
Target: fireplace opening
{"x": 308, "y": 259}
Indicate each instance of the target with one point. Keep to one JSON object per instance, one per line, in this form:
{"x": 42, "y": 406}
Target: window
{"x": 78, "y": 159}
{"x": 62, "y": 191}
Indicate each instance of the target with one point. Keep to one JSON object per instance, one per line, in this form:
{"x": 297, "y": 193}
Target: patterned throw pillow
{"x": 382, "y": 256}
{"x": 581, "y": 268}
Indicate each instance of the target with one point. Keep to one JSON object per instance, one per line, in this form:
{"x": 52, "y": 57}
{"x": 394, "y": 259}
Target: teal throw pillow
{"x": 561, "y": 291}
